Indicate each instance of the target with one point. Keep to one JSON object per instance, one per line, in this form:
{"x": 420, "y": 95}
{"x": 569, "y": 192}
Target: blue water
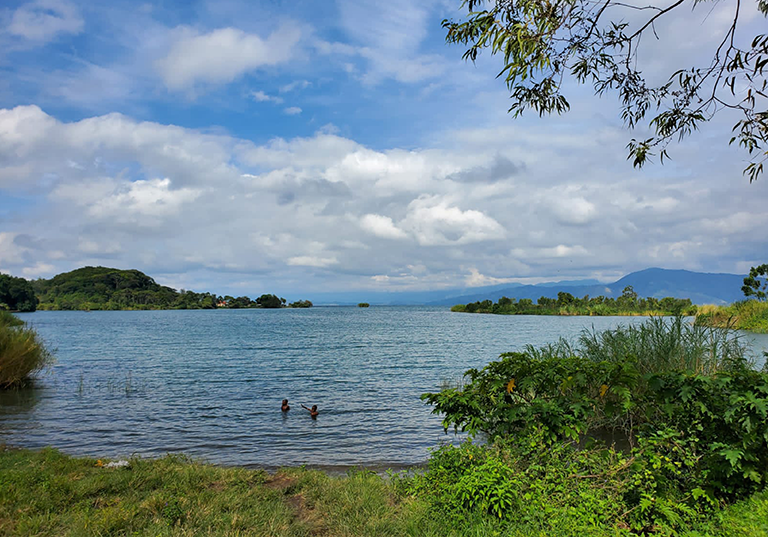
{"x": 209, "y": 383}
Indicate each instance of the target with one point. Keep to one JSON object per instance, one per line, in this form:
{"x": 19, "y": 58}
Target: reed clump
{"x": 750, "y": 315}
{"x": 22, "y": 353}
{"x": 657, "y": 345}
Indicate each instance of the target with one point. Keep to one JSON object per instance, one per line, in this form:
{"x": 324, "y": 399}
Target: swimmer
{"x": 312, "y": 411}
{"x": 285, "y": 407}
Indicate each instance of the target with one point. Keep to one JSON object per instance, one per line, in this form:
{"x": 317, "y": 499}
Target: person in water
{"x": 312, "y": 411}
{"x": 285, "y": 407}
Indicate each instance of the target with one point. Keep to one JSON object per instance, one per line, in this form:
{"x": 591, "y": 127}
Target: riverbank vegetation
{"x": 683, "y": 403}
{"x": 751, "y": 315}
{"x": 46, "y": 493}
{"x": 566, "y": 304}
{"x": 22, "y": 353}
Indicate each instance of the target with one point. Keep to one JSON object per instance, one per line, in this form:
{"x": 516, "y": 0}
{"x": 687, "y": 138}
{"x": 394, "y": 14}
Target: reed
{"x": 750, "y": 315}
{"x": 9, "y": 319}
{"x": 658, "y": 345}
{"x": 22, "y": 354}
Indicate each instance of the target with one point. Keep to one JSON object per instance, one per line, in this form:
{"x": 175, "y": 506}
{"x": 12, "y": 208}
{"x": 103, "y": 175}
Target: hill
{"x": 101, "y": 288}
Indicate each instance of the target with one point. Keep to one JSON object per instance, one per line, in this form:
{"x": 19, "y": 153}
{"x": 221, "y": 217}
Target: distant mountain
{"x": 399, "y": 298}
{"x": 701, "y": 288}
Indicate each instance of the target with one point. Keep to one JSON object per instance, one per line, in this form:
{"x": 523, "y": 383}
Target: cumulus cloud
{"x": 222, "y": 55}
{"x": 434, "y": 222}
{"x": 44, "y": 20}
{"x": 292, "y": 110}
{"x": 382, "y": 226}
{"x": 309, "y": 211}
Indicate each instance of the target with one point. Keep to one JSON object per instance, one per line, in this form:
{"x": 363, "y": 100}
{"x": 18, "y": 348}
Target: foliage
{"x": 103, "y": 288}
{"x": 658, "y": 344}
{"x": 750, "y": 315}
{"x": 22, "y": 353}
{"x": 363, "y": 305}
{"x": 270, "y": 301}
{"x": 756, "y": 283}
{"x": 8, "y": 319}
{"x": 525, "y": 482}
{"x": 16, "y": 294}
{"x": 567, "y": 304}
{"x": 301, "y": 304}
{"x": 542, "y": 42}
{"x": 698, "y": 425}
{"x": 564, "y": 491}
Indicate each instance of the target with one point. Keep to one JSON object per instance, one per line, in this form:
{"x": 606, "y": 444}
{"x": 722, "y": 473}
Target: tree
{"x": 270, "y": 301}
{"x": 544, "y": 41}
{"x": 17, "y": 293}
{"x": 756, "y": 283}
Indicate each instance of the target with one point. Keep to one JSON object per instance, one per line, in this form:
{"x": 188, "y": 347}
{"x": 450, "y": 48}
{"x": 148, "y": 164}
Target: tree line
{"x": 103, "y": 288}
{"x": 629, "y": 303}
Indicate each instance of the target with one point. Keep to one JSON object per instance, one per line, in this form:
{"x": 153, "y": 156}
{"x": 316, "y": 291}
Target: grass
{"x": 46, "y": 493}
{"x": 8, "y": 319}
{"x": 750, "y": 315}
{"x": 659, "y": 344}
{"x": 22, "y": 353}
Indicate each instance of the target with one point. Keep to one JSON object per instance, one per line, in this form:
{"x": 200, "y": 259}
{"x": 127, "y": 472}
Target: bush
{"x": 692, "y": 410}
{"x": 22, "y": 353}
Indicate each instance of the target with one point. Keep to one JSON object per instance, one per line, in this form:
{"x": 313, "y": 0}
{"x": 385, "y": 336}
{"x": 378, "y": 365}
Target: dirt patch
{"x": 307, "y": 515}
{"x": 280, "y": 482}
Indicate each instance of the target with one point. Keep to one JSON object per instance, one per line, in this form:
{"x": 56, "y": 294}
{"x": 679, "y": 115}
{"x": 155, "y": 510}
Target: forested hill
{"x": 109, "y": 288}
{"x": 103, "y": 288}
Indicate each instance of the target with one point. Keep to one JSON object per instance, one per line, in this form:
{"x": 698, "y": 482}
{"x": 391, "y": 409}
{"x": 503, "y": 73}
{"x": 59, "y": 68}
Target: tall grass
{"x": 22, "y": 353}
{"x": 9, "y": 319}
{"x": 659, "y": 344}
{"x": 751, "y": 315}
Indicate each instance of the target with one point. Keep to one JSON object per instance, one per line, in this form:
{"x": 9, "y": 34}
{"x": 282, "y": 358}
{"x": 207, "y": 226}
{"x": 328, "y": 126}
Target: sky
{"x": 246, "y": 147}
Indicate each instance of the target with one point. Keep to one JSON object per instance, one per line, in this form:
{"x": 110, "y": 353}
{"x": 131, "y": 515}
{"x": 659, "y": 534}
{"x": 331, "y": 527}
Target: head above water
{"x": 314, "y": 407}
{"x": 285, "y": 401}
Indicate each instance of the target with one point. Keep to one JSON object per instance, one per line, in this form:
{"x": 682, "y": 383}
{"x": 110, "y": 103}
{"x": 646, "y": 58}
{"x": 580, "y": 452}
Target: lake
{"x": 209, "y": 383}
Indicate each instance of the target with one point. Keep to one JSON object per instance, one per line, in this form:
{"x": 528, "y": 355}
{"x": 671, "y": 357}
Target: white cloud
{"x": 434, "y": 222}
{"x": 475, "y": 279}
{"x": 381, "y": 226}
{"x": 222, "y": 55}
{"x": 310, "y": 261}
{"x": 295, "y": 85}
{"x": 292, "y": 110}
{"x": 39, "y": 270}
{"x": 172, "y": 200}
{"x": 10, "y": 252}
{"x": 261, "y": 97}
{"x": 44, "y": 20}
{"x": 573, "y": 210}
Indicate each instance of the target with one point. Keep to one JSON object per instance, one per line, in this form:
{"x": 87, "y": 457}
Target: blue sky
{"x": 249, "y": 147}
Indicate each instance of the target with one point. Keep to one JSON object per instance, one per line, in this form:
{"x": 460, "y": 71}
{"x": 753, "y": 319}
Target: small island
{"x": 363, "y": 305}
{"x": 566, "y": 304}
{"x": 104, "y": 288}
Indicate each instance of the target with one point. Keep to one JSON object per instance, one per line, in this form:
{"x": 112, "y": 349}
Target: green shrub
{"x": 694, "y": 413}
{"x": 22, "y": 354}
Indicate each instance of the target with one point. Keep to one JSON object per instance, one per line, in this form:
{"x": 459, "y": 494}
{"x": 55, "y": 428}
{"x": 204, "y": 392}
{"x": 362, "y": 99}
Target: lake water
{"x": 209, "y": 383}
